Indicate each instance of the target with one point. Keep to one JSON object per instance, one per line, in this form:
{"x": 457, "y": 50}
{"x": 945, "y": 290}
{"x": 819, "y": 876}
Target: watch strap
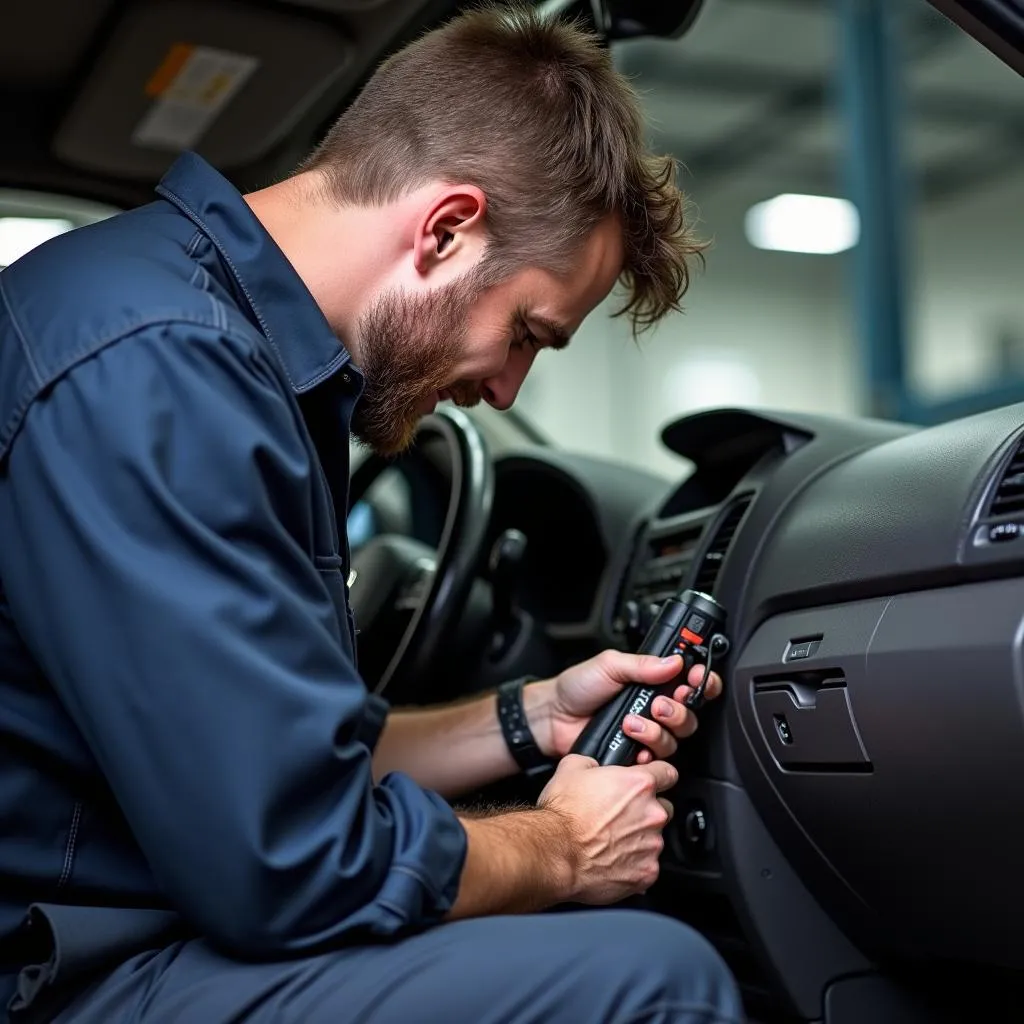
{"x": 516, "y": 729}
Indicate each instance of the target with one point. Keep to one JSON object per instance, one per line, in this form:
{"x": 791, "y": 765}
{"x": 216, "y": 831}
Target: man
{"x": 205, "y": 817}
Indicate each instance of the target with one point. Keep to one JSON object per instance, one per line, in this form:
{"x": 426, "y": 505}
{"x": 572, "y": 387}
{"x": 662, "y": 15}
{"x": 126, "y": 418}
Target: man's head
{"x": 497, "y": 171}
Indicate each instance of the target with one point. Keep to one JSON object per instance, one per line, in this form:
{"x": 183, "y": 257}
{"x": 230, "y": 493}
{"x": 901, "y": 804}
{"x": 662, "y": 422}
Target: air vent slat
{"x": 711, "y": 564}
{"x": 1008, "y": 497}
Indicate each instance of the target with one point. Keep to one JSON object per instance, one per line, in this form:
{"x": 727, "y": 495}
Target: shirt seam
{"x": 80, "y": 354}
{"x": 330, "y": 368}
{"x": 26, "y": 350}
{"x": 85, "y": 352}
{"x": 194, "y": 216}
{"x": 709, "y": 1013}
{"x": 414, "y": 873}
{"x": 69, "y": 850}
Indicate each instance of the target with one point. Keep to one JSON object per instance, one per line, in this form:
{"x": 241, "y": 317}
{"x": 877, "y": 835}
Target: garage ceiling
{"x": 735, "y": 106}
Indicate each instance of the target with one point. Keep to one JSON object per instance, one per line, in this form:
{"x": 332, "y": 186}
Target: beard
{"x": 409, "y": 350}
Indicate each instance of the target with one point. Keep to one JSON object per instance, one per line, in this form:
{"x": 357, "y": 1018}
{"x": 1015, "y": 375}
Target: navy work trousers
{"x": 588, "y": 967}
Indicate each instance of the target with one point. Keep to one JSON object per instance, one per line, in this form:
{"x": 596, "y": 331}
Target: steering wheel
{"x": 394, "y": 574}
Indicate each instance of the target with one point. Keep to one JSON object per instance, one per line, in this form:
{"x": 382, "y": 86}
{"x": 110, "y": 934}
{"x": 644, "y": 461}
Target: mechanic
{"x": 205, "y": 815}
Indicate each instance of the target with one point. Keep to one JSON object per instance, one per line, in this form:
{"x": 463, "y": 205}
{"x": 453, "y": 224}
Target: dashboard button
{"x": 1003, "y": 531}
{"x": 696, "y": 831}
{"x": 797, "y": 651}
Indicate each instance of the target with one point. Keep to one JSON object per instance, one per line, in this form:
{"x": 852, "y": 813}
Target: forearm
{"x": 517, "y": 862}
{"x": 457, "y": 748}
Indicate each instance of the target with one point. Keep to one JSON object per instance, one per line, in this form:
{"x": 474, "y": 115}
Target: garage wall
{"x": 776, "y": 329}
{"x": 970, "y": 290}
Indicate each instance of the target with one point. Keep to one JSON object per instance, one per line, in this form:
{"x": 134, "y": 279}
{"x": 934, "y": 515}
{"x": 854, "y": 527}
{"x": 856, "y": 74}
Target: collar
{"x": 280, "y": 302}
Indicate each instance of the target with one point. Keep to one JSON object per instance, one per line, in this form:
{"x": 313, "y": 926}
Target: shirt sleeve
{"x": 158, "y": 502}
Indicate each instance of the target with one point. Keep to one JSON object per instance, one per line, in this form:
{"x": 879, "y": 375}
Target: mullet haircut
{"x": 533, "y": 112}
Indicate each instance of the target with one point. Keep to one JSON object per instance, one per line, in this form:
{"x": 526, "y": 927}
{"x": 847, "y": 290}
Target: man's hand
{"x": 616, "y": 820}
{"x": 559, "y": 708}
{"x": 594, "y": 837}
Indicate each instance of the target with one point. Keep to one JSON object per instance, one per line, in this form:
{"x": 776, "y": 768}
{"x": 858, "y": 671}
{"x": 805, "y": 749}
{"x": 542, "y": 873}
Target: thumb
{"x": 576, "y": 763}
{"x": 649, "y": 668}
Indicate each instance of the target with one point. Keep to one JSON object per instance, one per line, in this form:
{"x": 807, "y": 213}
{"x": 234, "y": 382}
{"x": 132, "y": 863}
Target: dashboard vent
{"x": 711, "y": 563}
{"x": 1009, "y": 495}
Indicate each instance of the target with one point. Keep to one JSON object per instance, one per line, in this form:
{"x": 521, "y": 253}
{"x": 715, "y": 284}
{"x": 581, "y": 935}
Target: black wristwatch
{"x": 516, "y": 729}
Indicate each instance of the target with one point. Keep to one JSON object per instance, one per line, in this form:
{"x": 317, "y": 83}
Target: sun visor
{"x": 215, "y": 77}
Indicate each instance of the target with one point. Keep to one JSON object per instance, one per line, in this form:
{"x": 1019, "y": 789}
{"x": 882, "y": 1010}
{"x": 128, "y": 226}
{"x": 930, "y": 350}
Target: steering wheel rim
{"x": 459, "y": 551}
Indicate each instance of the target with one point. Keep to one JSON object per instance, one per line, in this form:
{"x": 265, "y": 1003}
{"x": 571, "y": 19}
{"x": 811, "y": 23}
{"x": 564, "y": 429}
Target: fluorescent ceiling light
{"x": 18, "y": 235}
{"x": 796, "y": 223}
{"x": 553, "y": 8}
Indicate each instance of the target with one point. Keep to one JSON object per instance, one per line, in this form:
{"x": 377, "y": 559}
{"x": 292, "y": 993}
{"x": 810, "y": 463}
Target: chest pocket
{"x": 332, "y": 572}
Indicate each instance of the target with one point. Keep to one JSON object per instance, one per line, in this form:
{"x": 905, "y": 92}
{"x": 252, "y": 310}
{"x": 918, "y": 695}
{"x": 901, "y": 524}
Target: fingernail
{"x": 672, "y": 659}
{"x": 662, "y": 706}
{"x": 636, "y": 723}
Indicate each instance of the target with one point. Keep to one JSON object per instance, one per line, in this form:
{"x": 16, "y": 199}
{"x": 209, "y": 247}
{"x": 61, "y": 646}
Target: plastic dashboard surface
{"x": 874, "y": 577}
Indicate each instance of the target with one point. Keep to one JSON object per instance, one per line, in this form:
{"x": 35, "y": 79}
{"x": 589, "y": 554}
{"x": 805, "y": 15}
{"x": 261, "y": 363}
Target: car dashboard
{"x": 847, "y": 810}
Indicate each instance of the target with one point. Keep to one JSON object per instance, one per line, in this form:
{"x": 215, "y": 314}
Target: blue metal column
{"x": 872, "y": 100}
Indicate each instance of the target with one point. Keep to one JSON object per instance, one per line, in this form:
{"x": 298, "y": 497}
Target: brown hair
{"x": 534, "y": 113}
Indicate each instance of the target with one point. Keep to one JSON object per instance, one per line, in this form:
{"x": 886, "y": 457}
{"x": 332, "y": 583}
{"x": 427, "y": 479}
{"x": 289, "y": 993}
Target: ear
{"x": 450, "y": 228}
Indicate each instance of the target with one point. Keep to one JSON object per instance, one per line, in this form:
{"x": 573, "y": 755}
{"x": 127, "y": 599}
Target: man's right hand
{"x": 615, "y": 818}
{"x": 595, "y": 837}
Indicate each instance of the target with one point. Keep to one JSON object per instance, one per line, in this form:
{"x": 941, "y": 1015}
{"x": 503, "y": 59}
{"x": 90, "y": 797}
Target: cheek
{"x": 483, "y": 359}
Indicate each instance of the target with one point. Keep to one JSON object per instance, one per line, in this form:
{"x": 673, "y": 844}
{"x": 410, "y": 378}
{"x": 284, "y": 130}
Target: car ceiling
{"x": 74, "y": 77}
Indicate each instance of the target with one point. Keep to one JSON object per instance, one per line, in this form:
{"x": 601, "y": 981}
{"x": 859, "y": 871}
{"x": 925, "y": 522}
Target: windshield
{"x": 750, "y": 121}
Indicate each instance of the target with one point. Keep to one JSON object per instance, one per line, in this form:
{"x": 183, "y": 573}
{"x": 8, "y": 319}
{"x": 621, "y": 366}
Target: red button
{"x": 690, "y": 637}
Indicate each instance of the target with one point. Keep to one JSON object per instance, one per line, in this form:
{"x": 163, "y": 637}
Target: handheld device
{"x": 690, "y": 624}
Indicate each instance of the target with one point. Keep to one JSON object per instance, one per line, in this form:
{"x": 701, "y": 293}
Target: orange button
{"x": 690, "y": 637}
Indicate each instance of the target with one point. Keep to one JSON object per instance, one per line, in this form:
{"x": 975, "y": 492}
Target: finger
{"x": 711, "y": 691}
{"x": 667, "y": 804}
{"x": 673, "y": 716}
{"x": 641, "y": 668}
{"x": 663, "y": 773}
{"x": 650, "y": 734}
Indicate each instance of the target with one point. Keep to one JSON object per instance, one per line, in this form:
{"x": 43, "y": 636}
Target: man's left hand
{"x": 580, "y": 691}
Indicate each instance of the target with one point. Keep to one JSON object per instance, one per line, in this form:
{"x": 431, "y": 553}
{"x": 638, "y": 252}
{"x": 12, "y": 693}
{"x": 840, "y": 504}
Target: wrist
{"x": 517, "y": 862}
{"x": 539, "y": 705}
{"x": 561, "y": 852}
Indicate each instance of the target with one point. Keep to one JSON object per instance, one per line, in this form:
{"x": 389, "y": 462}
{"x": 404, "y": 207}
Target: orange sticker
{"x": 164, "y": 75}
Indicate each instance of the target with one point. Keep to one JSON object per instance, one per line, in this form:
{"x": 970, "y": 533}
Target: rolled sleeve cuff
{"x": 423, "y": 881}
{"x": 374, "y": 715}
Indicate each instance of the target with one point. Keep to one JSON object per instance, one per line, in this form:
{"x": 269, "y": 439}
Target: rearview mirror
{"x": 630, "y": 19}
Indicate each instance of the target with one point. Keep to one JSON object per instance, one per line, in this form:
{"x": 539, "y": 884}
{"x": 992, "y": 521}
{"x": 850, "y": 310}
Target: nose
{"x": 500, "y": 390}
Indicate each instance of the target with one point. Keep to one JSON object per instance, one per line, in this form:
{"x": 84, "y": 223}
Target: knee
{"x": 683, "y": 976}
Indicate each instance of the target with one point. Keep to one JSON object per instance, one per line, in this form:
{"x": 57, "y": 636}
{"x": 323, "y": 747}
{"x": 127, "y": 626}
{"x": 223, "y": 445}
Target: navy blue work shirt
{"x": 182, "y": 724}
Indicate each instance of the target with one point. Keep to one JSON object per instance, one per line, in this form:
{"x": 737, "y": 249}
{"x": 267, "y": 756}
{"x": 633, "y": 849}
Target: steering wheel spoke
{"x": 406, "y": 597}
{"x": 416, "y": 588}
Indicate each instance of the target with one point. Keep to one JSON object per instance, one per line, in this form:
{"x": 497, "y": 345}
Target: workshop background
{"x": 883, "y": 103}
{"x": 857, "y": 166}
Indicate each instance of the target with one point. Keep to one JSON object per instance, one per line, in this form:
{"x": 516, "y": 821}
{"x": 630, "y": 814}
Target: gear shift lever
{"x": 505, "y": 566}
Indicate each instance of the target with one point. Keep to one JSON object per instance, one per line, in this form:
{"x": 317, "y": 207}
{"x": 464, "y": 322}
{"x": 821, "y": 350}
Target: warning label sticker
{"x": 190, "y": 89}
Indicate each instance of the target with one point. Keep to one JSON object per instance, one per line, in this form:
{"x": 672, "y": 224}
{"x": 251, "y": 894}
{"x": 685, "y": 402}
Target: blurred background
{"x": 855, "y": 164}
{"x": 765, "y": 98}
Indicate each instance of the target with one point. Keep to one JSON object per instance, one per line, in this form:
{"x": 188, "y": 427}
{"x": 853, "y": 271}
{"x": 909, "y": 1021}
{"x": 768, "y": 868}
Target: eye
{"x": 524, "y": 336}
